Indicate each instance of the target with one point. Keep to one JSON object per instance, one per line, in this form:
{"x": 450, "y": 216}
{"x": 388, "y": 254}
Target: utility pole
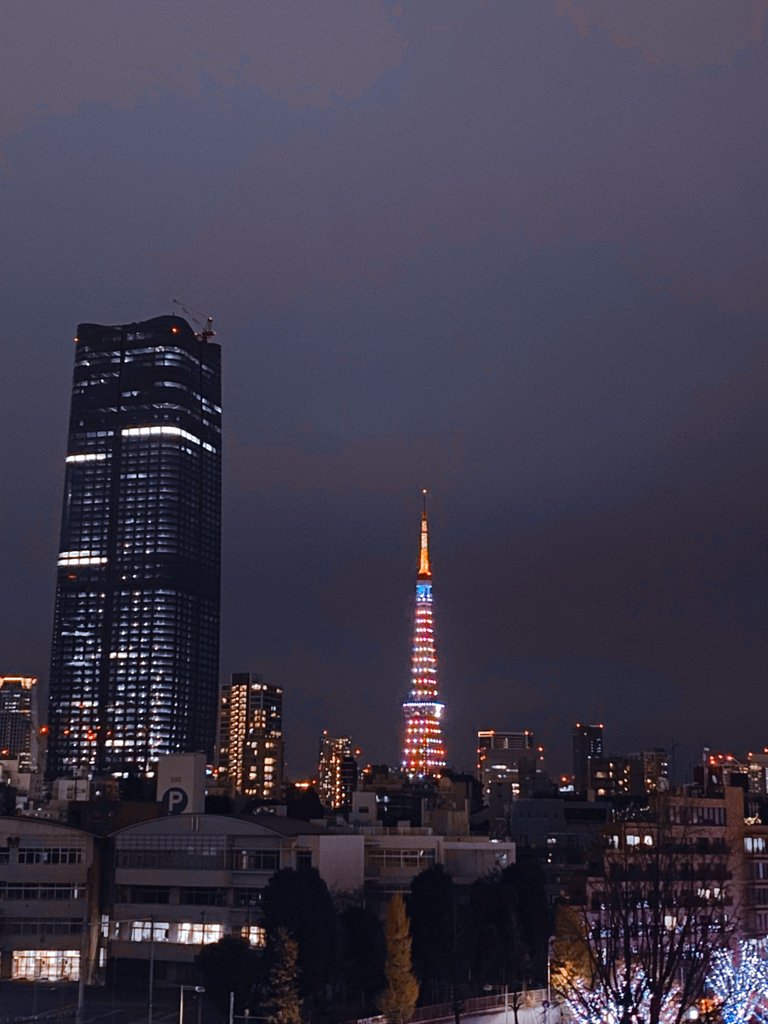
{"x": 84, "y": 946}
{"x": 150, "y": 1007}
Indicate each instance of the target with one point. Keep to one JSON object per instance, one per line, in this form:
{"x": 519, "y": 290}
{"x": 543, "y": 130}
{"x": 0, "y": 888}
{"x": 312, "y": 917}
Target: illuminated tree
{"x": 398, "y": 1000}
{"x": 588, "y": 1005}
{"x": 739, "y": 979}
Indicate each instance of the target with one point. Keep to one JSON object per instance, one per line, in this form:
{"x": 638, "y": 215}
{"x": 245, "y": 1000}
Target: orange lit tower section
{"x": 423, "y": 748}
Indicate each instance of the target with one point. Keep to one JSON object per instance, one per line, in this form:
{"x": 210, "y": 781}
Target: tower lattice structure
{"x": 423, "y": 747}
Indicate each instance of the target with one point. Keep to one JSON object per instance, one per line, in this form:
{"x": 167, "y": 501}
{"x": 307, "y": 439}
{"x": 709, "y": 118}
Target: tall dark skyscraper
{"x": 134, "y": 662}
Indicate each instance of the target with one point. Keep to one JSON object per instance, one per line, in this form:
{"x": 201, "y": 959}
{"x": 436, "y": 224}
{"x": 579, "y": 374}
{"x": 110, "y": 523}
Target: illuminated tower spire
{"x": 423, "y": 749}
{"x": 424, "y": 569}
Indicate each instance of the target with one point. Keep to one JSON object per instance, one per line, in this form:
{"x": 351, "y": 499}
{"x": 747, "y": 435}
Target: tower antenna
{"x": 424, "y": 569}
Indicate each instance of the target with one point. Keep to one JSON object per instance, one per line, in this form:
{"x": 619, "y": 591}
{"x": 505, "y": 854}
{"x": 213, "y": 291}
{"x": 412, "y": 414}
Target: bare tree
{"x": 656, "y": 917}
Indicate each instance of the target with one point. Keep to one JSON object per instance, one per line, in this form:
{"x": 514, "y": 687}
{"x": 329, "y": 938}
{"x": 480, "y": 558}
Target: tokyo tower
{"x": 423, "y": 749}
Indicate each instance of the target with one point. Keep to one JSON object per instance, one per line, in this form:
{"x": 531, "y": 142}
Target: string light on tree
{"x": 631, "y": 1000}
{"x": 739, "y": 980}
{"x": 423, "y": 748}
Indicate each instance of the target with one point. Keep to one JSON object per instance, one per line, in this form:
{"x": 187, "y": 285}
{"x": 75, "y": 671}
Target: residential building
{"x": 251, "y": 749}
{"x": 134, "y": 662}
{"x": 648, "y": 771}
{"x": 587, "y": 744}
{"x": 506, "y": 762}
{"x": 336, "y": 771}
{"x": 717, "y": 770}
{"x": 753, "y": 907}
{"x": 758, "y": 772}
{"x": 609, "y": 776}
{"x": 19, "y": 721}
{"x": 686, "y": 846}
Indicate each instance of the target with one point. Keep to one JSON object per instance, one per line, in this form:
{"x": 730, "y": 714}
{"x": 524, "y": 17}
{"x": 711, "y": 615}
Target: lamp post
{"x": 189, "y": 988}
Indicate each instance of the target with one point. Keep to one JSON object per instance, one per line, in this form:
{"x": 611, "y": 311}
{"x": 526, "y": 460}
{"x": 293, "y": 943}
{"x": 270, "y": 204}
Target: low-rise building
{"x": 50, "y": 918}
{"x": 394, "y": 856}
{"x": 185, "y": 880}
{"x": 154, "y": 892}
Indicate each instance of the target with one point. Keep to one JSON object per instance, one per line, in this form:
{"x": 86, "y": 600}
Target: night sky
{"x": 514, "y": 252}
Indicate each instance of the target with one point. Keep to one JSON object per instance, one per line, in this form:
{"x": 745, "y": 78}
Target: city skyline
{"x": 516, "y": 254}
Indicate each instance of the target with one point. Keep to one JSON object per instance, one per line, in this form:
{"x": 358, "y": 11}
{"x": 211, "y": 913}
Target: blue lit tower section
{"x": 423, "y": 748}
{"x": 135, "y": 652}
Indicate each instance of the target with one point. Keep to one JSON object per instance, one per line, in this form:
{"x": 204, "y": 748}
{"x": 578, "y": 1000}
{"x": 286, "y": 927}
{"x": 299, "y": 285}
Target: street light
{"x": 189, "y": 988}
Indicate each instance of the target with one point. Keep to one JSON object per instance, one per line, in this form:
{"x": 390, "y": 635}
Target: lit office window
{"x": 45, "y": 965}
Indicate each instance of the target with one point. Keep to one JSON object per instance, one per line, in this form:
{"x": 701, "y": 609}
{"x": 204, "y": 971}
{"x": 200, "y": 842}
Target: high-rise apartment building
{"x": 336, "y": 771}
{"x": 251, "y": 750}
{"x": 134, "y": 663}
{"x": 18, "y": 719}
{"x": 649, "y": 771}
{"x": 587, "y": 745}
{"x": 504, "y": 761}
{"x": 758, "y": 772}
{"x": 423, "y": 746}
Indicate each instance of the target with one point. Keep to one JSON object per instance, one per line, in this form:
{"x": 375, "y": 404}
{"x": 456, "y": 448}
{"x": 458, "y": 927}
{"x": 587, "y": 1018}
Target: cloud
{"x": 506, "y": 121}
{"x": 687, "y": 33}
{"x": 502, "y": 119}
{"x": 59, "y": 57}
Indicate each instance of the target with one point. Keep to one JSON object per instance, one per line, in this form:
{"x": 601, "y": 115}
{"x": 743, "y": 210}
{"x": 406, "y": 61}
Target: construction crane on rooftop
{"x": 205, "y": 332}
